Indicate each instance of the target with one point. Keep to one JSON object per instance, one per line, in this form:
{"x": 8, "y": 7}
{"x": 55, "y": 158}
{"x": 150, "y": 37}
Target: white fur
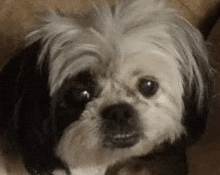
{"x": 160, "y": 117}
{"x": 158, "y": 25}
{"x": 83, "y": 171}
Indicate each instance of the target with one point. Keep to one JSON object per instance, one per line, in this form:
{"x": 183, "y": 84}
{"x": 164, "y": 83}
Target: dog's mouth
{"x": 121, "y": 140}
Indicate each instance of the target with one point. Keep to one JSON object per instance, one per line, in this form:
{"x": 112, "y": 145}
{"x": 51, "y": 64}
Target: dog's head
{"x": 110, "y": 84}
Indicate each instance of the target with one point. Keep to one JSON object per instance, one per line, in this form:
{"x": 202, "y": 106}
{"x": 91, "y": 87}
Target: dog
{"x": 120, "y": 89}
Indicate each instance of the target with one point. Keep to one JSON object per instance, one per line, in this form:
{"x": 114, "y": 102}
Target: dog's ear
{"x": 196, "y": 111}
{"x": 198, "y": 90}
{"x": 25, "y": 110}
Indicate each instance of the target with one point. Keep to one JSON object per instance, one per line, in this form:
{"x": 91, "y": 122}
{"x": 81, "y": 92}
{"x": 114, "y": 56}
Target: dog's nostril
{"x": 117, "y": 112}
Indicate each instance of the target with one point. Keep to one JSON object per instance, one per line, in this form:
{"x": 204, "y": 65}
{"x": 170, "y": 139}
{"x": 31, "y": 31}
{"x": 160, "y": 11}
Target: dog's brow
{"x": 70, "y": 61}
{"x": 136, "y": 72}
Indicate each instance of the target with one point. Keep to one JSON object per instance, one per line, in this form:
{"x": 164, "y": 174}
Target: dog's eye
{"x": 77, "y": 96}
{"x": 148, "y": 87}
{"x": 84, "y": 96}
{"x": 80, "y": 95}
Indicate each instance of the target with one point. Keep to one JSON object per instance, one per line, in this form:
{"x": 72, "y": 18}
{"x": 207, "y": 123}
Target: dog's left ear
{"x": 197, "y": 87}
{"x": 25, "y": 110}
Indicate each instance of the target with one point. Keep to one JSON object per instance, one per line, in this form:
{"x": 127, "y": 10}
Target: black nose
{"x": 118, "y": 112}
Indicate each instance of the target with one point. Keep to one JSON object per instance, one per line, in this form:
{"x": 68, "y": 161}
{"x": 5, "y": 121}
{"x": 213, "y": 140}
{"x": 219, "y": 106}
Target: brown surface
{"x": 16, "y": 16}
{"x": 194, "y": 10}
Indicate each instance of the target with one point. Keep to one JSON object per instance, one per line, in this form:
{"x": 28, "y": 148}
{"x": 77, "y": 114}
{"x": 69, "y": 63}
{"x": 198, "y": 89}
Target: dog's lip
{"x": 122, "y": 140}
{"x": 124, "y": 135}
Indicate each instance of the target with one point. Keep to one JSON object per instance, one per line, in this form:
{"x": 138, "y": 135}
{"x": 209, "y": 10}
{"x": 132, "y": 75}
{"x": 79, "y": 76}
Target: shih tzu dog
{"x": 118, "y": 90}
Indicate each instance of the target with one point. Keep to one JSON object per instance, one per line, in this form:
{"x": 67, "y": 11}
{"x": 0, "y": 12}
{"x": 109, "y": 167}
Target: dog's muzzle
{"x": 120, "y": 126}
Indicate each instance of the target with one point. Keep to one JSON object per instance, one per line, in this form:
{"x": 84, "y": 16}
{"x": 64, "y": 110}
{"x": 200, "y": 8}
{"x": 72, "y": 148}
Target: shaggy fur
{"x": 92, "y": 92}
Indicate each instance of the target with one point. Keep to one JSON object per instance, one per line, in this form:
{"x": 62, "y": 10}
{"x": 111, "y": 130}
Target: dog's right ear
{"x": 25, "y": 110}
{"x": 17, "y": 72}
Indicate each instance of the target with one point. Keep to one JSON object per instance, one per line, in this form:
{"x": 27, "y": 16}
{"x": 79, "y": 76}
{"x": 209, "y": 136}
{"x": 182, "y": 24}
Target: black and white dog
{"x": 116, "y": 90}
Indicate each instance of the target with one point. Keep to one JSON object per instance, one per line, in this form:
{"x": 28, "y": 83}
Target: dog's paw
{"x": 59, "y": 172}
{"x": 133, "y": 171}
{"x": 130, "y": 167}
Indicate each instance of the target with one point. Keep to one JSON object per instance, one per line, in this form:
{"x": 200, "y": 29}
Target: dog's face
{"x": 122, "y": 81}
{"x": 124, "y": 110}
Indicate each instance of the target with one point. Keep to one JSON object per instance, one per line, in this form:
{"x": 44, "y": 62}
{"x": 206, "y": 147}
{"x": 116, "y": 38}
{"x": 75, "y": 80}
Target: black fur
{"x": 68, "y": 104}
{"x": 32, "y": 122}
{"x": 26, "y": 124}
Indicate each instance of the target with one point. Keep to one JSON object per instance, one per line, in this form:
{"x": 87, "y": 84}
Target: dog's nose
{"x": 118, "y": 112}
{"x": 120, "y": 126}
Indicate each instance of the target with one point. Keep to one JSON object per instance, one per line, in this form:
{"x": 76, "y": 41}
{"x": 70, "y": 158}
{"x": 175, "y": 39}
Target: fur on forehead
{"x": 77, "y": 41}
